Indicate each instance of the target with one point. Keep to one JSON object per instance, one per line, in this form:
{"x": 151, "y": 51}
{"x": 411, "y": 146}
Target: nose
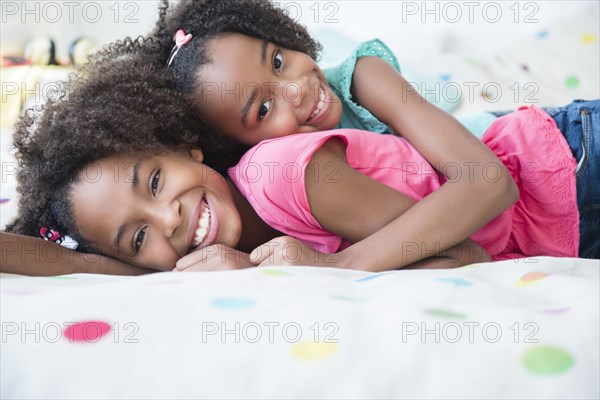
{"x": 167, "y": 217}
{"x": 295, "y": 91}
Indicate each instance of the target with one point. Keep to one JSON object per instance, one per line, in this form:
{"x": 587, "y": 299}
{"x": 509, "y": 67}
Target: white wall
{"x": 411, "y": 28}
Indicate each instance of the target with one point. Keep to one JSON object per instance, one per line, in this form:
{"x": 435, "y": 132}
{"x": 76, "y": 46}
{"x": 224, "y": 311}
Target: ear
{"x": 197, "y": 155}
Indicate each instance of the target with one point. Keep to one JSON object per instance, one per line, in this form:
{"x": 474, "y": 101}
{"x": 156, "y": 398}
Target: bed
{"x": 526, "y": 328}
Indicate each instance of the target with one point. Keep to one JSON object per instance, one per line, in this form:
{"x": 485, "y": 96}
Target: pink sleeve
{"x": 271, "y": 176}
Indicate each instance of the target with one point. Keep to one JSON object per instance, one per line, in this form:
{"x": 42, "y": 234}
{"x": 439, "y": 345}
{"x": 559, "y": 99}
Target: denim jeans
{"x": 579, "y": 122}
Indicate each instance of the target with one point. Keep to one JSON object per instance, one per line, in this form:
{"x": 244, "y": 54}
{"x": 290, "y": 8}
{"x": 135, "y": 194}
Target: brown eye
{"x": 277, "y": 60}
{"x": 154, "y": 182}
{"x": 264, "y": 109}
{"x": 139, "y": 239}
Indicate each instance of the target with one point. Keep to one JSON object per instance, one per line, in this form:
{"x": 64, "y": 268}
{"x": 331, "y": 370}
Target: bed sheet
{"x": 512, "y": 329}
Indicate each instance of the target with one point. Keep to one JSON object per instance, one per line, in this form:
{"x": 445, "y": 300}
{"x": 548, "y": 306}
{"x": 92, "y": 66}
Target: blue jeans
{"x": 579, "y": 122}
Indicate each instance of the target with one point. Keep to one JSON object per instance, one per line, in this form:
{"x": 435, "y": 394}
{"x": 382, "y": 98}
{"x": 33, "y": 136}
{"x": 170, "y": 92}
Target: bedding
{"x": 513, "y": 329}
{"x": 527, "y": 328}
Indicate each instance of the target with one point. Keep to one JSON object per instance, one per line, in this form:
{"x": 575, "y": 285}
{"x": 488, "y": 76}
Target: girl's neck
{"x": 254, "y": 230}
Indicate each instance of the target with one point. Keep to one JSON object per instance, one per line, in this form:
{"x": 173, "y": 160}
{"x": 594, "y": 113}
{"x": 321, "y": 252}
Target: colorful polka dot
{"x": 441, "y": 313}
{"x": 371, "y": 277}
{"x": 543, "y": 34}
{"x": 445, "y": 77}
{"x": 3, "y": 200}
{"x": 530, "y": 278}
{"x": 572, "y": 81}
{"x": 525, "y": 67}
{"x": 556, "y": 311}
{"x": 86, "y": 331}
{"x": 546, "y": 360}
{"x": 588, "y": 38}
{"x": 348, "y": 298}
{"x": 274, "y": 272}
{"x": 232, "y": 303}
{"x": 455, "y": 281}
{"x": 313, "y": 351}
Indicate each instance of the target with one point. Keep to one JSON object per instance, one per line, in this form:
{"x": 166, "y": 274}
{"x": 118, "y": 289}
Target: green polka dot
{"x": 274, "y": 272}
{"x": 472, "y": 266}
{"x": 313, "y": 351}
{"x": 572, "y": 81}
{"x": 438, "y": 312}
{"x": 348, "y": 298}
{"x": 546, "y": 360}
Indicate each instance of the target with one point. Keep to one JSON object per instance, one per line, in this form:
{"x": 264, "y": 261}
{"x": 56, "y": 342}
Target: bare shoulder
{"x": 332, "y": 151}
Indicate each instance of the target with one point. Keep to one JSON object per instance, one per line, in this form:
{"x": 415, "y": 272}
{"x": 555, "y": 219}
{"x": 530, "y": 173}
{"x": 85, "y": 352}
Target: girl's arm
{"x": 286, "y": 250}
{"x": 389, "y": 230}
{"x": 27, "y": 255}
{"x": 479, "y": 186}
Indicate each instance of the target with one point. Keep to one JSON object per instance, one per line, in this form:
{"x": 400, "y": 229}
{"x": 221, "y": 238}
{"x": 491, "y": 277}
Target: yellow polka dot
{"x": 588, "y": 38}
{"x": 313, "y": 351}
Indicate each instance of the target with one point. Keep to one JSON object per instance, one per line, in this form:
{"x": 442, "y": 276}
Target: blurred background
{"x": 415, "y": 28}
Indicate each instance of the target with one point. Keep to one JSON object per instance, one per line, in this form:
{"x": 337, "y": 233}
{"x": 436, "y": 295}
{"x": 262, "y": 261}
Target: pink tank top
{"x": 544, "y": 221}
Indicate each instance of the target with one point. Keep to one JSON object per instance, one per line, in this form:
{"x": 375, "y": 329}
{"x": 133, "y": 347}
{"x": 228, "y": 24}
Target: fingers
{"x": 189, "y": 260}
{"x": 268, "y": 252}
{"x": 284, "y": 250}
{"x": 212, "y": 258}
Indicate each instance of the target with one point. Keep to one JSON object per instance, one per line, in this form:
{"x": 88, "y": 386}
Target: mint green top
{"x": 358, "y": 117}
{"x": 340, "y": 80}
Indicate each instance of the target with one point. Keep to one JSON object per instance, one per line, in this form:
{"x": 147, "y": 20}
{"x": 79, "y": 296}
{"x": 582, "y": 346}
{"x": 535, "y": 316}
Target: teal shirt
{"x": 357, "y": 117}
{"x": 340, "y": 80}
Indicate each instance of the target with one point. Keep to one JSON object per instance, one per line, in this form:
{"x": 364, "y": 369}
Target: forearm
{"x": 35, "y": 257}
{"x": 420, "y": 232}
{"x": 464, "y": 253}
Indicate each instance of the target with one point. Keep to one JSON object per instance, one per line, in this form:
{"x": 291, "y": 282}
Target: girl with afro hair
{"x": 119, "y": 108}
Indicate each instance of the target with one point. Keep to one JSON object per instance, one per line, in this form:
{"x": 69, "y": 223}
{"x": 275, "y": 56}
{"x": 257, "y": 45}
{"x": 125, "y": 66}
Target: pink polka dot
{"x": 533, "y": 276}
{"x": 86, "y": 331}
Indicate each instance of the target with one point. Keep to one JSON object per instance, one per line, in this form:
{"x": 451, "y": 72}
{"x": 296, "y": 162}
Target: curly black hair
{"x": 209, "y": 19}
{"x": 114, "y": 106}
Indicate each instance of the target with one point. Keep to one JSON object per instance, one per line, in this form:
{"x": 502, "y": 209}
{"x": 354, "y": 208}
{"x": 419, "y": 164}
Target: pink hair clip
{"x": 53, "y": 235}
{"x": 180, "y": 39}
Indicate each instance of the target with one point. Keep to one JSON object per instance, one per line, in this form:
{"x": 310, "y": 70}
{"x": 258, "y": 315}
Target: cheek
{"x": 284, "y": 124}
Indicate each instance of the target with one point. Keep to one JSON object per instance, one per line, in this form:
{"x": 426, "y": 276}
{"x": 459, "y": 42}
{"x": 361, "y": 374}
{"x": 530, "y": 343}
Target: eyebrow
{"x": 134, "y": 185}
{"x": 254, "y": 93}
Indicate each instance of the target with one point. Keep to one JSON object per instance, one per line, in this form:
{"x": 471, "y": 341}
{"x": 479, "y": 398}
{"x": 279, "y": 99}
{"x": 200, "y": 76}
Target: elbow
{"x": 506, "y": 191}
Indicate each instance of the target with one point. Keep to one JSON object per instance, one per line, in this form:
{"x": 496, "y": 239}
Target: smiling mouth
{"x": 319, "y": 106}
{"x": 203, "y": 225}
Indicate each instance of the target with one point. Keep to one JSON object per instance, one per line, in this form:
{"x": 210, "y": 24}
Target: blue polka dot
{"x": 232, "y": 303}
{"x": 542, "y": 34}
{"x": 370, "y": 277}
{"x": 455, "y": 281}
{"x": 445, "y": 77}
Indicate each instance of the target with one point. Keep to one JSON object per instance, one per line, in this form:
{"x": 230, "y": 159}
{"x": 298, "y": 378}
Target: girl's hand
{"x": 286, "y": 250}
{"x": 216, "y": 257}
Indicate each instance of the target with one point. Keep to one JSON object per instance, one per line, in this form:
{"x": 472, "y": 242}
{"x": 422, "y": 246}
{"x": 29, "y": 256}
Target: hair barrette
{"x": 180, "y": 39}
{"x": 53, "y": 235}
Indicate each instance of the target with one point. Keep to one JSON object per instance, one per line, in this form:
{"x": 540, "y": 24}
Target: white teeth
{"x": 203, "y": 224}
{"x": 320, "y": 104}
